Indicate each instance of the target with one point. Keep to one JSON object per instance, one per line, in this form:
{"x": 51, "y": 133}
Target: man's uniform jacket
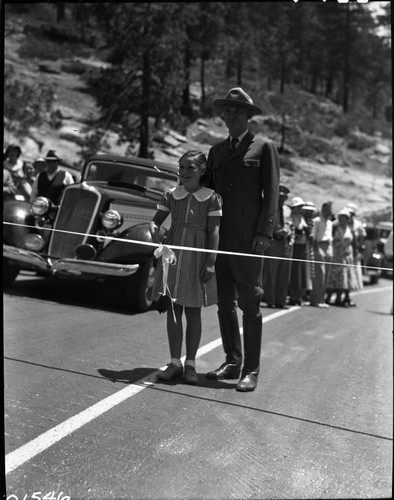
{"x": 248, "y": 182}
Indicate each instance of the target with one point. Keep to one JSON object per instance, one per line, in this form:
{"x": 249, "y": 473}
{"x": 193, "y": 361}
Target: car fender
{"x": 19, "y": 214}
{"x": 375, "y": 260}
{"x": 122, "y": 251}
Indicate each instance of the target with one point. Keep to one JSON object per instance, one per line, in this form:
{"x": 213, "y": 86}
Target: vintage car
{"x": 94, "y": 231}
{"x": 383, "y": 230}
{"x": 373, "y": 259}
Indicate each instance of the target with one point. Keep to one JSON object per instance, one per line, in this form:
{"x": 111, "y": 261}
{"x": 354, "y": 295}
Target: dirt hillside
{"x": 316, "y": 168}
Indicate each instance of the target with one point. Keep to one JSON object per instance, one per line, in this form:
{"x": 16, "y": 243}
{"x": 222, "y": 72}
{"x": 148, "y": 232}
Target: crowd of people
{"x": 314, "y": 256}
{"x": 26, "y": 180}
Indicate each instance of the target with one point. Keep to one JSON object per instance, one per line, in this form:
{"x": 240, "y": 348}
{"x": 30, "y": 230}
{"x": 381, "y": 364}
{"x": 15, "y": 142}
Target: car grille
{"x": 76, "y": 214}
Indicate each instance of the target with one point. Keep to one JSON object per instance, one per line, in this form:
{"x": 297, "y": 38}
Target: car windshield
{"x": 136, "y": 175}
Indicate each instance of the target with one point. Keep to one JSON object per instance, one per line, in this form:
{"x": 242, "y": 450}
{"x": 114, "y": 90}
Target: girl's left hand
{"x": 207, "y": 274}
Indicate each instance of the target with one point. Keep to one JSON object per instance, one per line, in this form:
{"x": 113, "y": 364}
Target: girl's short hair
{"x": 199, "y": 158}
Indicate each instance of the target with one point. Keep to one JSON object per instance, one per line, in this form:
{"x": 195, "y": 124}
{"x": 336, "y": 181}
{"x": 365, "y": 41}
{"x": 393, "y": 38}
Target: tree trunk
{"x": 346, "y": 72}
{"x": 144, "y": 127}
{"x": 282, "y": 79}
{"x": 329, "y": 87}
{"x": 313, "y": 88}
{"x": 60, "y": 11}
{"x": 239, "y": 67}
{"x": 186, "y": 86}
{"x": 269, "y": 83}
{"x": 202, "y": 81}
{"x": 229, "y": 67}
{"x": 283, "y": 131}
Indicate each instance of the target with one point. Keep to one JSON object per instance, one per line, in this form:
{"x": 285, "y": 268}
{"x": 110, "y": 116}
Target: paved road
{"x": 85, "y": 418}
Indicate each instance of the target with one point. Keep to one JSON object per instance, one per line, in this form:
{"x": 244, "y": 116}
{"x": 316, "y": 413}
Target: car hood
{"x": 126, "y": 194}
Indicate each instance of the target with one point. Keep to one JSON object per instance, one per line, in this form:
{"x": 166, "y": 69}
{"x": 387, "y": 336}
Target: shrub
{"x": 25, "y": 105}
{"x": 359, "y": 141}
{"x": 341, "y": 129}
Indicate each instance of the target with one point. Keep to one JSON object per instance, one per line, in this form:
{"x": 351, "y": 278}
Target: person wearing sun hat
{"x": 244, "y": 170}
{"x": 359, "y": 240}
{"x": 298, "y": 275}
{"x": 342, "y": 278}
{"x": 51, "y": 181}
{"x": 276, "y": 272}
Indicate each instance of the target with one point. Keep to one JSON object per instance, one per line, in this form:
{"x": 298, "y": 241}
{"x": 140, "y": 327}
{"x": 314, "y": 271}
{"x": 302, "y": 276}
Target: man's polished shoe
{"x": 248, "y": 382}
{"x": 225, "y": 371}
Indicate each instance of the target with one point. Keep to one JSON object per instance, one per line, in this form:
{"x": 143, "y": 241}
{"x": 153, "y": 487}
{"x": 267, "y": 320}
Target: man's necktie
{"x": 233, "y": 144}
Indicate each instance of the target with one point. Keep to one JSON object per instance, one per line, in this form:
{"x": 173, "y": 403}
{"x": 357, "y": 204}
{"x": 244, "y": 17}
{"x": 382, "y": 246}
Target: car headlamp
{"x": 34, "y": 242}
{"x": 41, "y": 205}
{"x": 101, "y": 236}
{"x": 111, "y": 219}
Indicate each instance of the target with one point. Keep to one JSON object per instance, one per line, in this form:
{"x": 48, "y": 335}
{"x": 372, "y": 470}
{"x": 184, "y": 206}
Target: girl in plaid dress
{"x": 195, "y": 217}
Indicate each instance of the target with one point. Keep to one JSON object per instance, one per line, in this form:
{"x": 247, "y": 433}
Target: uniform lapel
{"x": 244, "y": 145}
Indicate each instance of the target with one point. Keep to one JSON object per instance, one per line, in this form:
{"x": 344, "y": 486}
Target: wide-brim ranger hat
{"x": 237, "y": 97}
{"x": 51, "y": 155}
{"x": 297, "y": 202}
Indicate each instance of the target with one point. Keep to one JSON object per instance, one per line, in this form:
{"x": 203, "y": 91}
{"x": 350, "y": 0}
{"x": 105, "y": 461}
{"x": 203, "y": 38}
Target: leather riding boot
{"x": 231, "y": 339}
{"x": 253, "y": 329}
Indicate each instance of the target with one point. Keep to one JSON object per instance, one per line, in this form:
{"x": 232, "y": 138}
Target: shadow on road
{"x": 80, "y": 293}
{"x": 126, "y": 376}
{"x": 142, "y": 375}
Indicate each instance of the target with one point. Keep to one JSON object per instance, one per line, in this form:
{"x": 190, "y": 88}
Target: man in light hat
{"x": 51, "y": 181}
{"x": 276, "y": 272}
{"x": 244, "y": 170}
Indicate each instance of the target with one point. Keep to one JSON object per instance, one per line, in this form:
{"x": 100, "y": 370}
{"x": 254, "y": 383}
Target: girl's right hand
{"x": 207, "y": 273}
{"x": 156, "y": 235}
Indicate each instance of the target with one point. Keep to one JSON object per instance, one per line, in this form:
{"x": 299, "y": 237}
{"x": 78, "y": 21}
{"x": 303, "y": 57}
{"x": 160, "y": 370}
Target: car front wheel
{"x": 139, "y": 287}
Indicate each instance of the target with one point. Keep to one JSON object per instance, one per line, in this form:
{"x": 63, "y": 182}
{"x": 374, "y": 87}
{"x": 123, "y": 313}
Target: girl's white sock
{"x": 190, "y": 362}
{"x": 176, "y": 362}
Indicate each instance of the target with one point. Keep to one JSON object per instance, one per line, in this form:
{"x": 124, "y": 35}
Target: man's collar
{"x": 240, "y": 137}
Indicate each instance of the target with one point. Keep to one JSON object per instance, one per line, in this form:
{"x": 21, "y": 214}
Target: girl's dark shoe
{"x": 172, "y": 371}
{"x": 190, "y": 375}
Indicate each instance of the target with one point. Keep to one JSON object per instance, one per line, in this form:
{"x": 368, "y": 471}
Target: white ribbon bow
{"x": 168, "y": 258}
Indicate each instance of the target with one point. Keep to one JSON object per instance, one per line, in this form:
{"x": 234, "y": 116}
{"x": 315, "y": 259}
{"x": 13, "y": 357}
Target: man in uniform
{"x": 244, "y": 170}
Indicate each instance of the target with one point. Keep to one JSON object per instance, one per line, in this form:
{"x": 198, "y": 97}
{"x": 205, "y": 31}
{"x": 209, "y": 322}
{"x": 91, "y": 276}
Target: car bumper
{"x": 370, "y": 271}
{"x": 71, "y": 267}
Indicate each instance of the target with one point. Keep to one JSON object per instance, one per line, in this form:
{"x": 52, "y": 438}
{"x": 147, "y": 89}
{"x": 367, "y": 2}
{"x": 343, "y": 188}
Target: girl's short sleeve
{"x": 164, "y": 203}
{"x": 215, "y": 205}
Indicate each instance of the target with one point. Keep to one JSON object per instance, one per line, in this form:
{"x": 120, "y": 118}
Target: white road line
{"x": 29, "y": 450}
